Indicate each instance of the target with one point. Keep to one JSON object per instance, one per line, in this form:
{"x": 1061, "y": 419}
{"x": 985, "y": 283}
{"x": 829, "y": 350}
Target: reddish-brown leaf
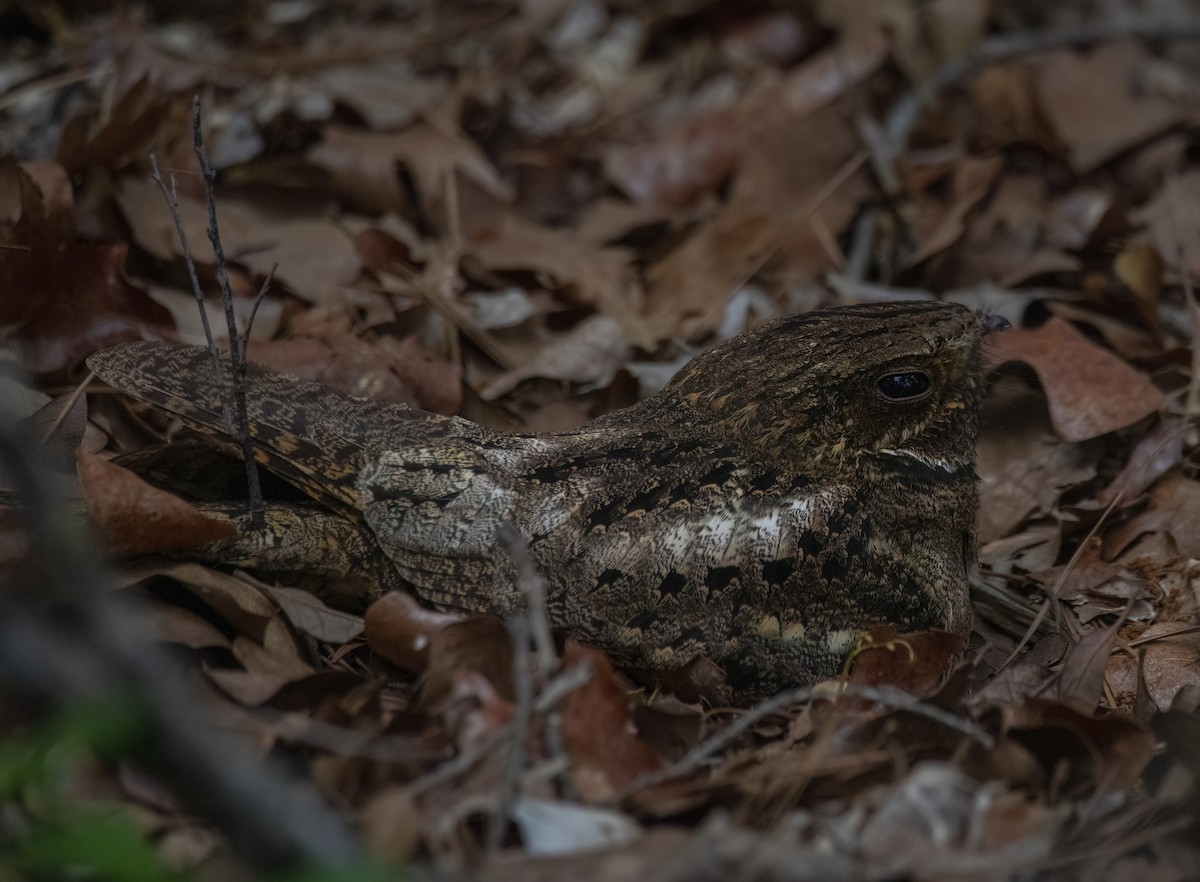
{"x": 603, "y": 744}
{"x": 1108, "y": 754}
{"x": 1090, "y": 391}
{"x": 915, "y": 663}
{"x": 401, "y": 630}
{"x": 64, "y": 298}
{"x": 1173, "y": 508}
{"x": 135, "y": 518}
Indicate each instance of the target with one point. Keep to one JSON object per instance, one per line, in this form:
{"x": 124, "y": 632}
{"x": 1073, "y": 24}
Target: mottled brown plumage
{"x": 787, "y": 490}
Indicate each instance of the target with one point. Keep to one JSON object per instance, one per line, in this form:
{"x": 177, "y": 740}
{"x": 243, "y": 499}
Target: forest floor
{"x": 530, "y": 214}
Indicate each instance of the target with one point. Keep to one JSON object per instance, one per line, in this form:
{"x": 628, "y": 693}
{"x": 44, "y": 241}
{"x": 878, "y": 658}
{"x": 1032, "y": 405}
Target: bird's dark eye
{"x": 904, "y": 385}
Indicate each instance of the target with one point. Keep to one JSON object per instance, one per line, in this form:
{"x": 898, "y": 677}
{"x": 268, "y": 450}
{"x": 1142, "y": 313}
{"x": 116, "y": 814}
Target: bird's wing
{"x": 309, "y": 434}
{"x": 435, "y": 508}
{"x": 656, "y": 561}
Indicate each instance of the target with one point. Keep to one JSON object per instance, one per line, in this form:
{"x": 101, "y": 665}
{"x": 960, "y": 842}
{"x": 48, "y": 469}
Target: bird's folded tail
{"x": 311, "y": 435}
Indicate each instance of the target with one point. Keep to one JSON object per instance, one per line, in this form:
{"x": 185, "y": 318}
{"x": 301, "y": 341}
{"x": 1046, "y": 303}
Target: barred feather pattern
{"x": 763, "y": 510}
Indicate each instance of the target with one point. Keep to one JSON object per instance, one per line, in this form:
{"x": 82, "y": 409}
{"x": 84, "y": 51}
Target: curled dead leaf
{"x": 241, "y": 604}
{"x": 135, "y": 518}
{"x": 606, "y": 752}
{"x": 591, "y": 353}
{"x": 401, "y": 630}
{"x": 309, "y": 615}
{"x": 916, "y": 663}
{"x": 1090, "y": 391}
{"x": 1109, "y": 753}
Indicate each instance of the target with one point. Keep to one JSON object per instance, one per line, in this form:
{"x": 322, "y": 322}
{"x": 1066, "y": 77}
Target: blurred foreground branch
{"x": 66, "y": 640}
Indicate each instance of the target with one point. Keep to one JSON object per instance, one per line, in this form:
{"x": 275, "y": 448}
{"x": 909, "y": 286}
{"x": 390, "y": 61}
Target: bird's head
{"x": 822, "y": 390}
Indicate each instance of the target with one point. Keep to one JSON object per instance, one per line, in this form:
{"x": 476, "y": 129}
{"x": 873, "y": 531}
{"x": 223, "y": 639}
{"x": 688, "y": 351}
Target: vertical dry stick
{"x": 172, "y": 199}
{"x": 518, "y": 630}
{"x": 214, "y": 233}
{"x": 237, "y": 357}
{"x": 258, "y": 299}
{"x": 1191, "y": 406}
{"x": 533, "y": 588}
{"x": 531, "y": 621}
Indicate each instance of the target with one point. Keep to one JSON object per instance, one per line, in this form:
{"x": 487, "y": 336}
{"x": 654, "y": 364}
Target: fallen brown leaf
{"x": 1172, "y": 218}
{"x": 1082, "y": 676}
{"x": 598, "y": 731}
{"x": 174, "y": 624}
{"x": 502, "y": 239}
{"x": 401, "y": 630}
{"x": 314, "y": 257}
{"x": 914, "y": 663}
{"x": 1106, "y": 754}
{"x": 1173, "y": 508}
{"x": 788, "y": 174}
{"x": 590, "y": 354}
{"x": 1095, "y": 103}
{"x": 1167, "y": 661}
{"x": 470, "y": 648}
{"x": 1090, "y": 391}
{"x": 1024, "y": 466}
{"x": 940, "y": 223}
{"x": 309, "y": 615}
{"x": 64, "y": 298}
{"x": 263, "y": 673}
{"x": 247, "y": 609}
{"x": 364, "y": 165}
{"x": 135, "y": 518}
{"x": 683, "y": 163}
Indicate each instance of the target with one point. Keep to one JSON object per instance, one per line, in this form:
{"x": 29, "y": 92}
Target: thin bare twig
{"x": 237, "y": 354}
{"x": 556, "y": 690}
{"x": 518, "y": 630}
{"x": 171, "y": 196}
{"x": 214, "y": 231}
{"x": 529, "y": 621}
{"x": 708, "y": 748}
{"x": 890, "y": 143}
{"x": 258, "y": 299}
{"x": 533, "y": 589}
{"x": 66, "y": 409}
